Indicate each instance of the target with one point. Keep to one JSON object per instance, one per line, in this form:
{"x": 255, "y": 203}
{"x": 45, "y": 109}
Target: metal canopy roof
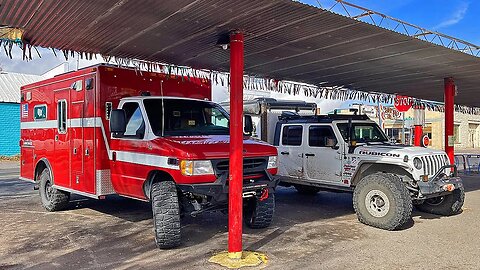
{"x": 284, "y": 40}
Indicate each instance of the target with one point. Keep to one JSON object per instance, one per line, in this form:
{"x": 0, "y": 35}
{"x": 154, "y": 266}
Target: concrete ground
{"x": 309, "y": 232}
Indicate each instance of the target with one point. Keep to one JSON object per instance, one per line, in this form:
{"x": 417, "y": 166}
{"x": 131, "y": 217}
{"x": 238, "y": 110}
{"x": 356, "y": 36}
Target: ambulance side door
{"x": 129, "y": 169}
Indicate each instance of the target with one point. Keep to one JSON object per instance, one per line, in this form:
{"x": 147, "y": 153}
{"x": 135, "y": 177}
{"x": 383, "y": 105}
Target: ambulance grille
{"x": 431, "y": 164}
{"x": 249, "y": 165}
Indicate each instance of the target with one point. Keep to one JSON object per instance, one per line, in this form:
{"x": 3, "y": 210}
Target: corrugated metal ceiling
{"x": 284, "y": 40}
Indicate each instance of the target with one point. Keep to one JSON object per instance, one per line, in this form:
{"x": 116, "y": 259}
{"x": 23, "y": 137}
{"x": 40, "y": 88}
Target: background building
{"x": 400, "y": 126}
{"x": 466, "y": 129}
{"x": 10, "y": 84}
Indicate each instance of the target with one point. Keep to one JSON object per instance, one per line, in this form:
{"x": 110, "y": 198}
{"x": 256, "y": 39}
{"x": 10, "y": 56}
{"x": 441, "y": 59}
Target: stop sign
{"x": 403, "y": 103}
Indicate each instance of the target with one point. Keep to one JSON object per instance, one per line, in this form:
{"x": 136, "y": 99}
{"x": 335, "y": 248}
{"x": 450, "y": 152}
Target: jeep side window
{"x": 321, "y": 136}
{"x": 135, "y": 123}
{"x": 292, "y": 135}
{"x": 363, "y": 132}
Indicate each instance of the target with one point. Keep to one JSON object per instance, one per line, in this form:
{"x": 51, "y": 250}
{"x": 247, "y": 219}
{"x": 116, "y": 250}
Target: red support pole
{"x": 449, "y": 86}
{"x": 417, "y": 141}
{"x": 235, "y": 201}
{"x": 419, "y": 121}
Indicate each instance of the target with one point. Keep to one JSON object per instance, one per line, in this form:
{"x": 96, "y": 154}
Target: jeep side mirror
{"x": 248, "y": 125}
{"x": 118, "y": 122}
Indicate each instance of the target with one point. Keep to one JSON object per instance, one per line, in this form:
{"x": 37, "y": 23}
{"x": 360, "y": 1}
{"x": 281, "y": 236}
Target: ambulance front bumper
{"x": 217, "y": 191}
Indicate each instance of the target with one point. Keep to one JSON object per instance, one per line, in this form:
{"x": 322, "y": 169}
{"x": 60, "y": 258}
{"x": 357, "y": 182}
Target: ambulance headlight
{"x": 196, "y": 167}
{"x": 417, "y": 163}
{"x": 272, "y": 162}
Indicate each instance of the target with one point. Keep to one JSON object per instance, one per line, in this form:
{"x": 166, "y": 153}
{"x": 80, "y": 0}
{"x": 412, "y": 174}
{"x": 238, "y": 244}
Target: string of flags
{"x": 223, "y": 78}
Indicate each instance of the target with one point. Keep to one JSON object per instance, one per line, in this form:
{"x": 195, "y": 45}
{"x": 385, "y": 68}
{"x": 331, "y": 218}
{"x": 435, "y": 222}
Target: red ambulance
{"x": 148, "y": 136}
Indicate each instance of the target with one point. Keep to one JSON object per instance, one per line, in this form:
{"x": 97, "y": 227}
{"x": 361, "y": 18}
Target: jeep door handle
{"x": 309, "y": 155}
{"x": 285, "y": 153}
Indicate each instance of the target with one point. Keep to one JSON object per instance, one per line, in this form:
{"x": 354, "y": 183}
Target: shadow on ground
{"x": 118, "y": 231}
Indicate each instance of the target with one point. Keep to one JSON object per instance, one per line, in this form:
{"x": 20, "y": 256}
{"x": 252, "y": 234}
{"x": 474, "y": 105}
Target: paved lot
{"x": 319, "y": 232}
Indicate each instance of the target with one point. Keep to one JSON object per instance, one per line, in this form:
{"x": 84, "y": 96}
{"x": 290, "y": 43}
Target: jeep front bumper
{"x": 440, "y": 184}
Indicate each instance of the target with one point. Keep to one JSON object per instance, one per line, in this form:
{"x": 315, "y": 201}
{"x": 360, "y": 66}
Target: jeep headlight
{"x": 272, "y": 162}
{"x": 196, "y": 167}
{"x": 417, "y": 163}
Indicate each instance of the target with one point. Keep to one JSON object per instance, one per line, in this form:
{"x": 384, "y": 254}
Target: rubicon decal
{"x": 381, "y": 154}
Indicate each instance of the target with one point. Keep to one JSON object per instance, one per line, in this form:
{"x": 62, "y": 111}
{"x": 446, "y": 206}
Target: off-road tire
{"x": 446, "y": 205}
{"x": 307, "y": 190}
{"x": 52, "y": 198}
{"x": 399, "y": 199}
{"x": 166, "y": 214}
{"x": 259, "y": 214}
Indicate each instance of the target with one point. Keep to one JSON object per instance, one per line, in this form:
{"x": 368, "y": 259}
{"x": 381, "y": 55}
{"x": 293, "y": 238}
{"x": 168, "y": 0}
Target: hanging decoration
{"x": 13, "y": 36}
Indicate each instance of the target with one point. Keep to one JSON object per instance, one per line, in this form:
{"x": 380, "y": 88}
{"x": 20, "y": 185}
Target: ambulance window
{"x": 292, "y": 135}
{"x": 89, "y": 84}
{"x": 135, "y": 123}
{"x": 62, "y": 116}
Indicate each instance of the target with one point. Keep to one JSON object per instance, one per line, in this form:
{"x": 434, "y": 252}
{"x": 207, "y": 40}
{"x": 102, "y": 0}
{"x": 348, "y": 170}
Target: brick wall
{"x": 9, "y": 129}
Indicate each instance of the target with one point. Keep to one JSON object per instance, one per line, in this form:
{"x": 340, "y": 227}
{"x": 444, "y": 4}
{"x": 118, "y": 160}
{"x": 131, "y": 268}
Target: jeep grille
{"x": 433, "y": 163}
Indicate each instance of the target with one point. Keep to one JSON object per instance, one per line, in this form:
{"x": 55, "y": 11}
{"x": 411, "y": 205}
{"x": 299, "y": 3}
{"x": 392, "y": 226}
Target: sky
{"x": 457, "y": 18}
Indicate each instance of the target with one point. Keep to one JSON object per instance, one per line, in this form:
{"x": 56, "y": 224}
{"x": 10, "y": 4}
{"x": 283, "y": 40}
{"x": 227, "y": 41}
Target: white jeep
{"x": 351, "y": 153}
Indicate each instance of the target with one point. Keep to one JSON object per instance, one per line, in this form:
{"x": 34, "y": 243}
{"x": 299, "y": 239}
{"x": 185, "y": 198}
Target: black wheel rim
{"x": 48, "y": 190}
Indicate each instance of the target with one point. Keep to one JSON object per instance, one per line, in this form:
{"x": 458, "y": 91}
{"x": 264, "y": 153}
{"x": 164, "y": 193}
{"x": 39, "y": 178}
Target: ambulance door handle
{"x": 87, "y": 152}
{"x": 309, "y": 155}
{"x": 75, "y": 151}
{"x": 285, "y": 153}
{"x": 56, "y": 138}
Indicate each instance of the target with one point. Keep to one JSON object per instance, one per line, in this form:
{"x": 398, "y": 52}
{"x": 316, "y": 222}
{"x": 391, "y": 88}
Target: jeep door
{"x": 290, "y": 151}
{"x": 322, "y": 162}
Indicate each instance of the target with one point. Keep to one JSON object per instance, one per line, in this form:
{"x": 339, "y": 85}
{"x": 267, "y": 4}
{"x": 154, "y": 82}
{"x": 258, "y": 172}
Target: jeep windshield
{"x": 185, "y": 117}
{"x": 363, "y": 132}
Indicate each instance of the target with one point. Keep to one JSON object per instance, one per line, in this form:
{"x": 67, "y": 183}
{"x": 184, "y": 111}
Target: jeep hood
{"x": 214, "y": 147}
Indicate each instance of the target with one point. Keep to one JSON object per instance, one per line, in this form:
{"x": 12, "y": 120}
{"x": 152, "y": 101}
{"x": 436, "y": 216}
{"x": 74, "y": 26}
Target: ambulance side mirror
{"x": 248, "y": 125}
{"x": 118, "y": 122}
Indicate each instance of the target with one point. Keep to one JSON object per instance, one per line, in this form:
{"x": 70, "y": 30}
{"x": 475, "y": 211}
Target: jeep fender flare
{"x": 365, "y": 168}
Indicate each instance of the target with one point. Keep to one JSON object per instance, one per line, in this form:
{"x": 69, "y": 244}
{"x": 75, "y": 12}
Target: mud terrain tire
{"x": 447, "y": 205}
{"x": 259, "y": 214}
{"x": 166, "y": 214}
{"x": 381, "y": 200}
{"x": 307, "y": 190}
{"x": 52, "y": 198}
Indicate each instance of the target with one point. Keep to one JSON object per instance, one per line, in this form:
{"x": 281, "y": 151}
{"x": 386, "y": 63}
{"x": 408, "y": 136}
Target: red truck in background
{"x": 149, "y": 136}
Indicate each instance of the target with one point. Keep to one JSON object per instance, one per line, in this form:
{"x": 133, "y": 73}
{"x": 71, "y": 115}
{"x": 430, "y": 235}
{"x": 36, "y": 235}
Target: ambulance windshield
{"x": 185, "y": 117}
